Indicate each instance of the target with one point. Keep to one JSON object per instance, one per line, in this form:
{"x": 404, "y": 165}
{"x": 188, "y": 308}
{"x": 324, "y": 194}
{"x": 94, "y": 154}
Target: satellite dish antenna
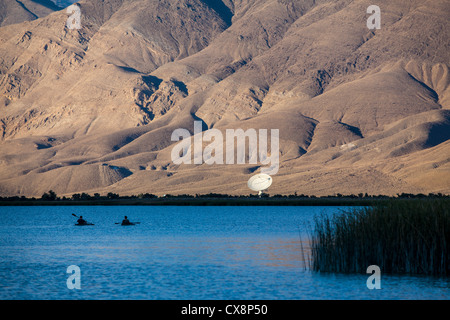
{"x": 259, "y": 182}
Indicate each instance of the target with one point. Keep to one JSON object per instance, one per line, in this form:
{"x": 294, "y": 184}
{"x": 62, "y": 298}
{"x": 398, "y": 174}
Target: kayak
{"x": 87, "y": 224}
{"x": 128, "y": 224}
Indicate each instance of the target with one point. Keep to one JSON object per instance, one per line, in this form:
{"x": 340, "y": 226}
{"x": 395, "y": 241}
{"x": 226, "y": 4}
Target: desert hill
{"x": 358, "y": 110}
{"x": 12, "y": 12}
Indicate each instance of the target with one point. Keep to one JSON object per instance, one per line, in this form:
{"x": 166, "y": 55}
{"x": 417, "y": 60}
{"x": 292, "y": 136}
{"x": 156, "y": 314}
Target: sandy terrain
{"x": 93, "y": 110}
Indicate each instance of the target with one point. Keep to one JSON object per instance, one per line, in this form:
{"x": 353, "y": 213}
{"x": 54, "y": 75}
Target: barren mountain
{"x": 13, "y": 11}
{"x": 358, "y": 110}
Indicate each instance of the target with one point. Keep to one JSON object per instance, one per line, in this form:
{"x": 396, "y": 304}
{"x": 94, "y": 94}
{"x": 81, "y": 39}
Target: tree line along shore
{"x": 51, "y": 198}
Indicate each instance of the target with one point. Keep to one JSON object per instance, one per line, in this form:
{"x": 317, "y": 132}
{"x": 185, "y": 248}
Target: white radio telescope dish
{"x": 259, "y": 182}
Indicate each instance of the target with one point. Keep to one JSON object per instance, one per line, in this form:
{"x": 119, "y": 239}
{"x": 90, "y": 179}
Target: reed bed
{"x": 401, "y": 237}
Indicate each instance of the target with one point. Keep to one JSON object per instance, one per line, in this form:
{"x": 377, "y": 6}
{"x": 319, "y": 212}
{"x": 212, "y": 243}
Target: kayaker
{"x": 81, "y": 221}
{"x": 126, "y": 222}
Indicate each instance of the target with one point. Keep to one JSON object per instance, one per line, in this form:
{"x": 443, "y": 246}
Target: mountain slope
{"x": 358, "y": 110}
{"x": 13, "y": 11}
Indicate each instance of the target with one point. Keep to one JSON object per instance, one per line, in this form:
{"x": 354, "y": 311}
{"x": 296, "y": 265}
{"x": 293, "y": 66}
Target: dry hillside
{"x": 13, "y": 11}
{"x": 358, "y": 110}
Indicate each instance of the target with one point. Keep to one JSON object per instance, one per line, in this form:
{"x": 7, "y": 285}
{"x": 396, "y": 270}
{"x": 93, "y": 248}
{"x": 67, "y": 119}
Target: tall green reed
{"x": 400, "y": 236}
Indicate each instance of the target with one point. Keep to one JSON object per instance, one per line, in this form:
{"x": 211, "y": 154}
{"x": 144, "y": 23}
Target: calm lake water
{"x": 178, "y": 253}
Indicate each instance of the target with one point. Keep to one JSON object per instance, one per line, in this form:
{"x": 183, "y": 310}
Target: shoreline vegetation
{"x": 401, "y": 237}
{"x": 50, "y": 198}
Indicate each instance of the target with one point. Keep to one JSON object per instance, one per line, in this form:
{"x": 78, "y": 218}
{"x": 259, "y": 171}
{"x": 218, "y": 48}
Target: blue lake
{"x": 178, "y": 253}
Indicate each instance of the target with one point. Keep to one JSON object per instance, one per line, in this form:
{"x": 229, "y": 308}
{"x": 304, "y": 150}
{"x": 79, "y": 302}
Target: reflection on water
{"x": 178, "y": 253}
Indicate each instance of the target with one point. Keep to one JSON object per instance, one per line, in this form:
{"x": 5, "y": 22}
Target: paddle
{"x": 87, "y": 223}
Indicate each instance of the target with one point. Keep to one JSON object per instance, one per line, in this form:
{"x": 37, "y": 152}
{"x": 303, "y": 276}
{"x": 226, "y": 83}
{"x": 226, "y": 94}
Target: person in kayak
{"x": 81, "y": 221}
{"x": 126, "y": 222}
